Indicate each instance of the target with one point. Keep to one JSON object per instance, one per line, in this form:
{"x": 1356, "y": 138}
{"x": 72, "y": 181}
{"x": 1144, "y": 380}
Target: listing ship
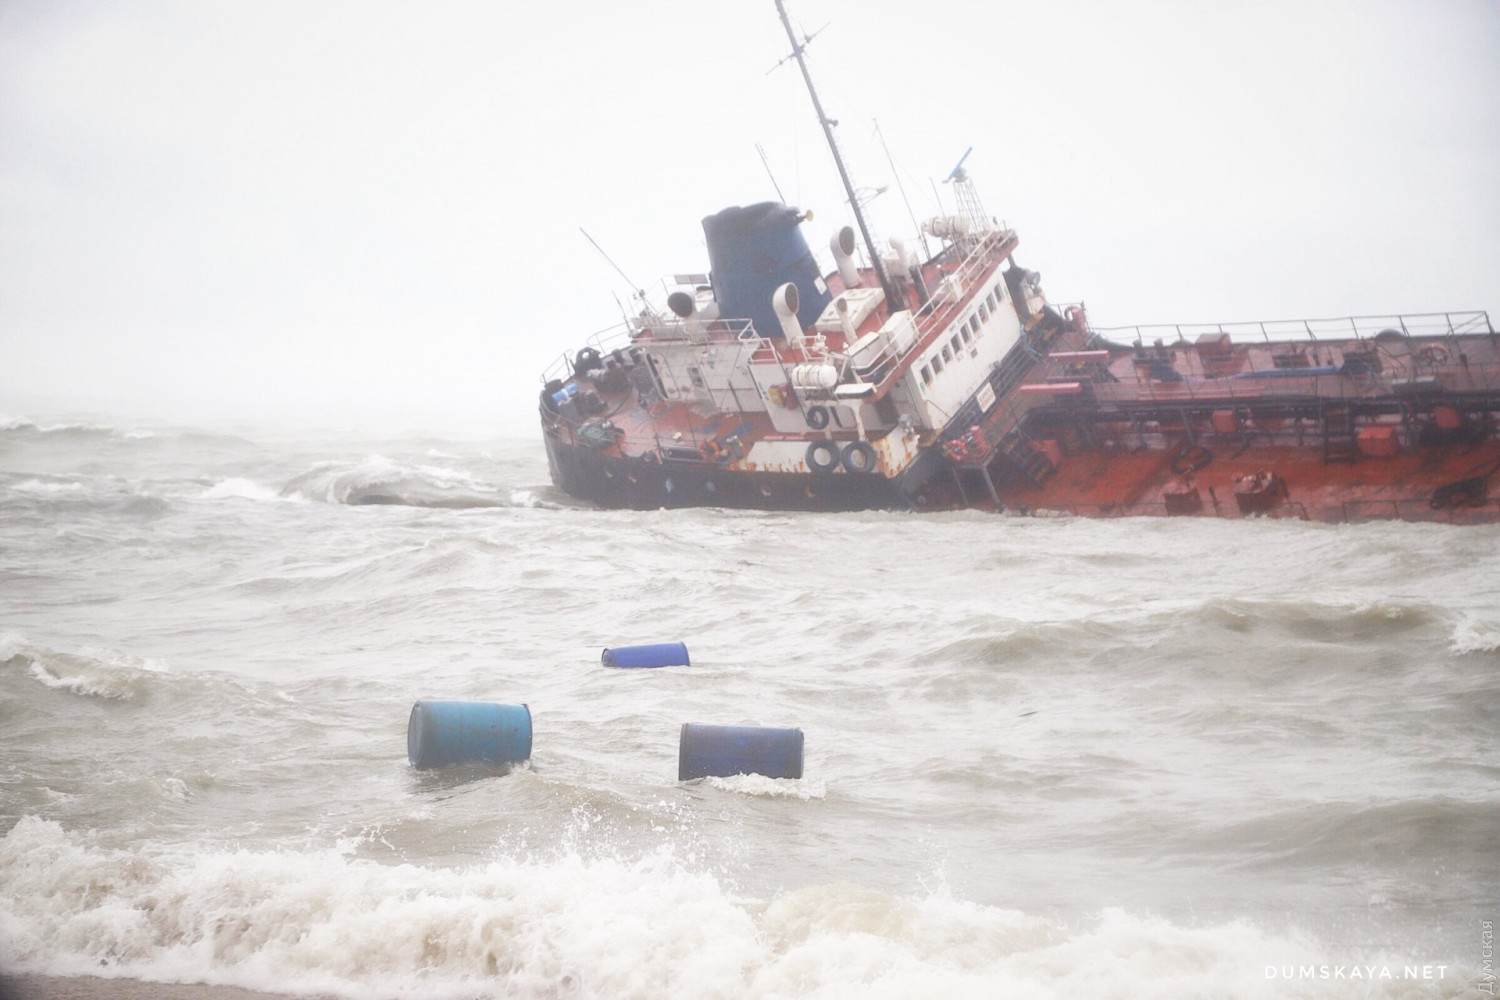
{"x": 947, "y": 380}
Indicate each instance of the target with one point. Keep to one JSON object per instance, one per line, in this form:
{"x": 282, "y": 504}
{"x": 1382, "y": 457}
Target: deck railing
{"x": 1425, "y": 346}
{"x": 1351, "y": 512}
{"x": 1345, "y": 328}
{"x": 940, "y": 310}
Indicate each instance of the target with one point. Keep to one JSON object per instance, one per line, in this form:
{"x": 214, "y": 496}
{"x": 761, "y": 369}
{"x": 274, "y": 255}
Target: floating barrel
{"x": 752, "y": 252}
{"x": 721, "y": 751}
{"x": 440, "y": 733}
{"x": 656, "y": 654}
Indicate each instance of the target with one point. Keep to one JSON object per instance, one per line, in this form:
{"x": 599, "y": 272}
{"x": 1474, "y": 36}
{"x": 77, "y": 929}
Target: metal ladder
{"x": 1339, "y": 443}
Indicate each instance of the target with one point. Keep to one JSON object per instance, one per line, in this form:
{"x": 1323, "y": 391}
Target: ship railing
{"x": 655, "y": 328}
{"x": 942, "y": 308}
{"x": 1483, "y": 380}
{"x": 604, "y": 341}
{"x": 1439, "y": 363}
{"x": 1413, "y": 325}
{"x": 1286, "y": 510}
{"x": 1145, "y": 388}
{"x": 1418, "y": 510}
{"x": 1350, "y": 512}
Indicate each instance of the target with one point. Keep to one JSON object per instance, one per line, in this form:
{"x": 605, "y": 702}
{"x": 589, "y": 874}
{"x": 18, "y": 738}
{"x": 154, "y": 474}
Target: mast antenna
{"x": 921, "y": 233}
{"x": 767, "y": 164}
{"x": 891, "y": 298}
{"x": 640, "y": 293}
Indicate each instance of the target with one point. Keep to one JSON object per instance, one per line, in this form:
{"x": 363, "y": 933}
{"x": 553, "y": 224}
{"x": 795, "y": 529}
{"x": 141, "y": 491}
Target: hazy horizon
{"x": 369, "y": 214}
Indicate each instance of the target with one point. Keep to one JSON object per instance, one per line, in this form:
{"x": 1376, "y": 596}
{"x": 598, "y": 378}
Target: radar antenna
{"x": 966, "y": 195}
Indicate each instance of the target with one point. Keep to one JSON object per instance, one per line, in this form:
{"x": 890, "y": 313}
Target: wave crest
{"x": 380, "y": 480}
{"x": 90, "y": 673}
{"x": 1472, "y": 635}
{"x": 569, "y": 927}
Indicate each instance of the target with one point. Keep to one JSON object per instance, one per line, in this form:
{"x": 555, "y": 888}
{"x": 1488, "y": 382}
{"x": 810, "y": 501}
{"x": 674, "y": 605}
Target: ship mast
{"x": 891, "y": 298}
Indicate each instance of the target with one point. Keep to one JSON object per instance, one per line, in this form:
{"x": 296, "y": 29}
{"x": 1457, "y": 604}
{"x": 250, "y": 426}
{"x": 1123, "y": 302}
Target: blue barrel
{"x": 720, "y": 751}
{"x": 656, "y": 654}
{"x": 440, "y": 733}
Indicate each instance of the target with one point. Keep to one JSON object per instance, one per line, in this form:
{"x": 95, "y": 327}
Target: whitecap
{"x": 760, "y": 786}
{"x": 1472, "y": 635}
{"x": 343, "y": 925}
{"x": 239, "y": 489}
{"x": 37, "y": 487}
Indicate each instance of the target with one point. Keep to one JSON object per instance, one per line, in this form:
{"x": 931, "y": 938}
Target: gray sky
{"x": 368, "y": 212}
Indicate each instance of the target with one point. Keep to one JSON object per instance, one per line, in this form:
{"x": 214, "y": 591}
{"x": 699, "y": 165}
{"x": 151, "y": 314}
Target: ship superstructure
{"x": 948, "y": 380}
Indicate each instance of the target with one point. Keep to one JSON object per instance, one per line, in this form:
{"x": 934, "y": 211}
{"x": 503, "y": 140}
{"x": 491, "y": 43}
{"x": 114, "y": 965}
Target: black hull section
{"x": 634, "y": 483}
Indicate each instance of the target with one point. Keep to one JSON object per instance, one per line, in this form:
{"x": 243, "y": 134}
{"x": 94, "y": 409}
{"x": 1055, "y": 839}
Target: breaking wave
{"x": 1473, "y": 635}
{"x": 91, "y": 673}
{"x": 574, "y": 927}
{"x": 239, "y": 489}
{"x": 381, "y": 480}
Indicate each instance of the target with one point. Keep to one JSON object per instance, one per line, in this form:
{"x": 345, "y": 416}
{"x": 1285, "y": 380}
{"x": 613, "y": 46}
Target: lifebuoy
{"x": 712, "y": 451}
{"x": 1191, "y": 460}
{"x": 1434, "y": 354}
{"x": 956, "y": 449}
{"x": 817, "y": 417}
{"x": 859, "y": 458}
{"x": 822, "y": 456}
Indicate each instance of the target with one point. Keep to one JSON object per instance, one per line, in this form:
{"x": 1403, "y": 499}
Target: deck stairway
{"x": 1023, "y": 458}
{"x": 1339, "y": 443}
{"x": 1002, "y": 432}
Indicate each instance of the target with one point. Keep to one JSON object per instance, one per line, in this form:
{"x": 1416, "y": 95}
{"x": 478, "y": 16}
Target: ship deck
{"x": 1119, "y": 483}
{"x": 1362, "y": 427}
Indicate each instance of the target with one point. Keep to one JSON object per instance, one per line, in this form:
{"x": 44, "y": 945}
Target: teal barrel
{"x": 656, "y": 654}
{"x": 440, "y": 733}
{"x": 720, "y": 751}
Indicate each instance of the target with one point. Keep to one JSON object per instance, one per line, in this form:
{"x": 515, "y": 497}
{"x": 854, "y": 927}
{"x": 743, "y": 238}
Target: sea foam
{"x": 572, "y": 927}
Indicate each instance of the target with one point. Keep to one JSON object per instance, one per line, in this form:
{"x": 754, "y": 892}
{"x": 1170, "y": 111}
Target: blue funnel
{"x": 755, "y": 250}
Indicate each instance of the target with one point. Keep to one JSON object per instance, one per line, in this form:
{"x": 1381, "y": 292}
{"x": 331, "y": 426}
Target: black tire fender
{"x": 1191, "y": 460}
{"x": 823, "y": 456}
{"x": 859, "y": 458}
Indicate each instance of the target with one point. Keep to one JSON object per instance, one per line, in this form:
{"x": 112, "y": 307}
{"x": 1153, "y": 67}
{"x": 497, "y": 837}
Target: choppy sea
{"x": 1045, "y": 757}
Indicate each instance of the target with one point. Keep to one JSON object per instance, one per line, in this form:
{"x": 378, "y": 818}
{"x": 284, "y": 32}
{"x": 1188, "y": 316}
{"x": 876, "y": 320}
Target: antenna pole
{"x": 640, "y": 293}
{"x": 767, "y": 164}
{"x": 864, "y": 230}
{"x": 926, "y": 252}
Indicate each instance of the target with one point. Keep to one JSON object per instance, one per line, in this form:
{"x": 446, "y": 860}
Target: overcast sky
{"x": 369, "y": 212}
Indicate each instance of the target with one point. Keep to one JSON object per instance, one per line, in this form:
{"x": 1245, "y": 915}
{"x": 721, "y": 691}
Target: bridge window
{"x": 926, "y": 375}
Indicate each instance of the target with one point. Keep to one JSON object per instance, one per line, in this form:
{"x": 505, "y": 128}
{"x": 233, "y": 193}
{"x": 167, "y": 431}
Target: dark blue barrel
{"x": 720, "y": 751}
{"x": 656, "y": 654}
{"x": 440, "y": 733}
{"x": 754, "y": 250}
